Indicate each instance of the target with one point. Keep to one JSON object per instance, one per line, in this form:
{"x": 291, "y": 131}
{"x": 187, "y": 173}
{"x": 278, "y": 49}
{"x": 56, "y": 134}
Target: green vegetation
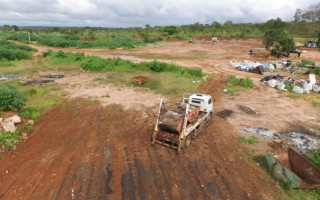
{"x": 97, "y": 64}
{"x": 10, "y": 98}
{"x": 165, "y": 83}
{"x": 305, "y": 62}
{"x": 276, "y": 39}
{"x": 9, "y": 140}
{"x": 250, "y": 140}
{"x": 235, "y": 84}
{"x": 315, "y": 157}
{"x": 22, "y": 37}
{"x": 247, "y": 82}
{"x": 315, "y": 71}
{"x": 10, "y": 51}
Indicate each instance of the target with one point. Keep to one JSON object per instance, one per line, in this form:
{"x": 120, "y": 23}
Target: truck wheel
{"x": 188, "y": 141}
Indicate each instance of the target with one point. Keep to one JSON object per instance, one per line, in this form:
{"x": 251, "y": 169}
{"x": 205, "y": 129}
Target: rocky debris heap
{"x": 296, "y": 84}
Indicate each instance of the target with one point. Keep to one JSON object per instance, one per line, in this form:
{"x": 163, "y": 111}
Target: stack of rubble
{"x": 257, "y": 67}
{"x": 298, "y": 85}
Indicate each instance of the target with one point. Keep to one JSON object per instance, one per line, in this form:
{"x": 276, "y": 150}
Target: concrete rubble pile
{"x": 291, "y": 138}
{"x": 297, "y": 84}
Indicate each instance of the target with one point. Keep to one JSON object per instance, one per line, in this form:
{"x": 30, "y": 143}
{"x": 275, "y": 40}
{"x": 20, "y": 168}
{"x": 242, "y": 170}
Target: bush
{"x": 10, "y": 98}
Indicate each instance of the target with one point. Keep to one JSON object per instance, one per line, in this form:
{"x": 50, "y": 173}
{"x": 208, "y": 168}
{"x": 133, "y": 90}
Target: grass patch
{"x": 164, "y": 83}
{"x": 40, "y": 101}
{"x": 313, "y": 97}
{"x": 305, "y": 62}
{"x": 9, "y": 140}
{"x": 251, "y": 140}
{"x": 235, "y": 85}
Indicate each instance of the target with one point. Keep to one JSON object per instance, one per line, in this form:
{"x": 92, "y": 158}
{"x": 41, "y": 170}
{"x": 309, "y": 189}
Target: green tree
{"x": 170, "y": 30}
{"x": 278, "y": 42}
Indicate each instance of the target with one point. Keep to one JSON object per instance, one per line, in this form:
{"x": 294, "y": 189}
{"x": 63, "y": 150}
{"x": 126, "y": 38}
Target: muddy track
{"x": 105, "y": 153}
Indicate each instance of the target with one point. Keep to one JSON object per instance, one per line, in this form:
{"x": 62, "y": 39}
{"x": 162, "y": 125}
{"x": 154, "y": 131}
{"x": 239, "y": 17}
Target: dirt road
{"x": 93, "y": 152}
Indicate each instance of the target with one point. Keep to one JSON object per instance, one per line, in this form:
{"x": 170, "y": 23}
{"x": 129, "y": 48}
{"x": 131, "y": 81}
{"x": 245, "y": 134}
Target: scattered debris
{"x": 296, "y": 83}
{"x": 224, "y": 113}
{"x": 253, "y": 67}
{"x": 303, "y": 141}
{"x": 247, "y": 110}
{"x": 52, "y": 76}
{"x": 40, "y": 81}
{"x": 214, "y": 39}
{"x": 260, "y": 131}
{"x": 140, "y": 79}
{"x": 311, "y": 44}
{"x": 4, "y": 77}
{"x": 300, "y": 139}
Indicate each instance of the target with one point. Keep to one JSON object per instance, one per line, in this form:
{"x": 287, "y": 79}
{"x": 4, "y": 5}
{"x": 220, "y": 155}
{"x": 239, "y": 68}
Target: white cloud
{"x": 124, "y": 13}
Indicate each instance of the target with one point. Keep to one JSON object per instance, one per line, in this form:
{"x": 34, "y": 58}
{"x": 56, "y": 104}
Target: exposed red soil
{"x": 137, "y": 37}
{"x": 105, "y": 153}
{"x": 86, "y": 39}
{"x": 174, "y": 40}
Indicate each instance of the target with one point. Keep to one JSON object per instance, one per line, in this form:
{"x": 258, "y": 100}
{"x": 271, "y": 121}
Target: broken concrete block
{"x": 8, "y": 125}
{"x": 16, "y": 119}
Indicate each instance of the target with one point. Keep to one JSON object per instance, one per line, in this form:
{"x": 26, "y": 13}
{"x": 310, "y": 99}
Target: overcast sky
{"x": 128, "y": 13}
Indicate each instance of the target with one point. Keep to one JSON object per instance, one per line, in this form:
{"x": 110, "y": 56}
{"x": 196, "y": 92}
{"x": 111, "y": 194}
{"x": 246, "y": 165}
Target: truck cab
{"x": 203, "y": 101}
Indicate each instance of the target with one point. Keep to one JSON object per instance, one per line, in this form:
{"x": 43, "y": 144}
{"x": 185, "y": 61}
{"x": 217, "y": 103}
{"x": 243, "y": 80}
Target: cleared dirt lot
{"x": 94, "y": 152}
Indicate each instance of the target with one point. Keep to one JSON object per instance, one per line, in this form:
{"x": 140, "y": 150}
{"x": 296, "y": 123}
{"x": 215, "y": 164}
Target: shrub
{"x": 47, "y": 53}
{"x": 10, "y": 98}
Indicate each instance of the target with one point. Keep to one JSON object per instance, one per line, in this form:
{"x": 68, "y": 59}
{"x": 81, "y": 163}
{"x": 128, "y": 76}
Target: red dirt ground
{"x": 105, "y": 153}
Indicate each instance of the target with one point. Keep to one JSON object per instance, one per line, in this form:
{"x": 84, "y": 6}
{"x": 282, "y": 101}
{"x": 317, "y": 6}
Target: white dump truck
{"x": 176, "y": 128}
